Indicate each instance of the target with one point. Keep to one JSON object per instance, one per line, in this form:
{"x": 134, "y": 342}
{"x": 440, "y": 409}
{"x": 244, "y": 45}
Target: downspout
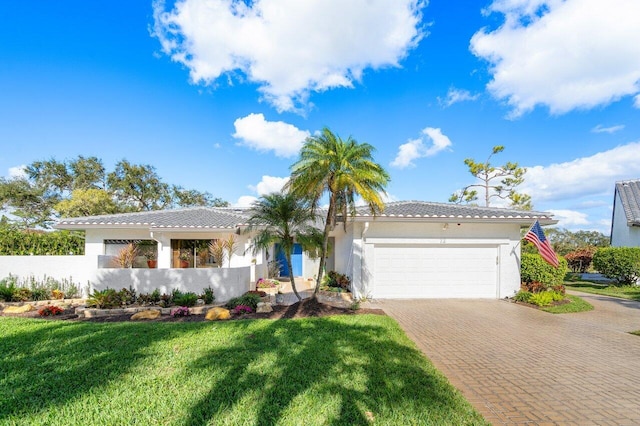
{"x": 363, "y": 239}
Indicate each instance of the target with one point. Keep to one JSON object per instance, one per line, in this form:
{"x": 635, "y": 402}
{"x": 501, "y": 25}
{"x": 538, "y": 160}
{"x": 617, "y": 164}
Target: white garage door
{"x": 420, "y": 271}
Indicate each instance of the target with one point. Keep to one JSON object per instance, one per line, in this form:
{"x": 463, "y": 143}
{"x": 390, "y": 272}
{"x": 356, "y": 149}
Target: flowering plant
{"x": 242, "y": 309}
{"x": 181, "y": 311}
{"x": 267, "y": 283}
{"x": 49, "y": 311}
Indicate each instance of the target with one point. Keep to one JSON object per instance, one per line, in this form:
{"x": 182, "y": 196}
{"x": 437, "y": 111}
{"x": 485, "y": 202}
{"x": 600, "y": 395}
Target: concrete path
{"x": 518, "y": 365}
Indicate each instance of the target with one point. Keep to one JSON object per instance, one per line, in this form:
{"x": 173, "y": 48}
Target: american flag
{"x": 536, "y": 236}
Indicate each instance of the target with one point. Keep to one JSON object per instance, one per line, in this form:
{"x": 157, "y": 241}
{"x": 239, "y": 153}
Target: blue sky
{"x": 218, "y": 95}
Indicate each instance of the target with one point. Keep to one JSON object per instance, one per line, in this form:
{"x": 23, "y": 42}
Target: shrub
{"x": 7, "y": 290}
{"x": 185, "y": 299}
{"x": 533, "y": 268}
{"x": 50, "y": 311}
{"x": 242, "y": 309}
{"x": 258, "y": 292}
{"x": 57, "y": 294}
{"x": 267, "y": 283}
{"x": 208, "y": 296}
{"x": 155, "y": 296}
{"x": 522, "y": 296}
{"x": 534, "y": 286}
{"x": 544, "y": 298}
{"x": 105, "y": 299}
{"x": 336, "y": 280}
{"x": 181, "y": 311}
{"x": 246, "y": 299}
{"x": 128, "y": 297}
{"x": 15, "y": 242}
{"x": 580, "y": 260}
{"x": 22, "y": 294}
{"x": 621, "y": 264}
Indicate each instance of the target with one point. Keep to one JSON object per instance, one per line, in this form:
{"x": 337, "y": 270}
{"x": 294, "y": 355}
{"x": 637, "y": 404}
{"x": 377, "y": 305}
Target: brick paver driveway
{"x": 517, "y": 365}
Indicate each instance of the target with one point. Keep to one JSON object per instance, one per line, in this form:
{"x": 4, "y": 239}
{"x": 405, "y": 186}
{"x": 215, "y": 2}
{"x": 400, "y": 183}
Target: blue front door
{"x": 296, "y": 261}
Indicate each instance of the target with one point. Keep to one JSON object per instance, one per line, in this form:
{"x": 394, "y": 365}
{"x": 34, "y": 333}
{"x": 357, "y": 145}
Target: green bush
{"x": 15, "y": 242}
{"x": 208, "y": 296}
{"x": 185, "y": 299}
{"x": 522, "y": 296}
{"x": 247, "y": 299}
{"x": 533, "y": 268}
{"x": 105, "y": 299}
{"x": 621, "y": 264}
{"x": 544, "y": 298}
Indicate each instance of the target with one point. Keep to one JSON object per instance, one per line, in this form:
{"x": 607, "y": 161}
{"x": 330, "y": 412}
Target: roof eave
{"x": 524, "y": 220}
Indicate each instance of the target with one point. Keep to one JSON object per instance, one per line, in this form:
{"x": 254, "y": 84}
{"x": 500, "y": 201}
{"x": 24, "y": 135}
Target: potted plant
{"x": 185, "y": 258}
{"x": 151, "y": 256}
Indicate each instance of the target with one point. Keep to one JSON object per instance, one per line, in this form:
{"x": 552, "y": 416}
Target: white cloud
{"x": 418, "y": 148}
{"x": 289, "y": 47}
{"x": 636, "y": 101}
{"x": 457, "y": 95}
{"x": 269, "y": 185}
{"x": 245, "y": 201}
{"x": 586, "y": 176}
{"x": 18, "y": 171}
{"x": 266, "y": 186}
{"x": 565, "y": 54}
{"x": 569, "y": 218}
{"x": 611, "y": 129}
{"x": 285, "y": 140}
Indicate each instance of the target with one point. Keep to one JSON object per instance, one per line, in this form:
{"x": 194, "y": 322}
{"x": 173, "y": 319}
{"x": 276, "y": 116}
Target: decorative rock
{"x": 200, "y": 302}
{"x": 264, "y": 307}
{"x": 215, "y": 314}
{"x": 18, "y": 309}
{"x": 148, "y": 314}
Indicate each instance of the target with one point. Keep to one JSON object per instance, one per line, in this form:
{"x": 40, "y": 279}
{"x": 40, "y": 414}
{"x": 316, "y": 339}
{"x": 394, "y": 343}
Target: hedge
{"x": 14, "y": 242}
{"x": 533, "y": 268}
{"x": 621, "y": 264}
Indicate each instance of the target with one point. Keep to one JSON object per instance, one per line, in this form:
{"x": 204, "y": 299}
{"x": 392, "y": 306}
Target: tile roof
{"x": 191, "y": 218}
{"x": 230, "y": 218}
{"x": 629, "y": 192}
{"x": 423, "y": 209}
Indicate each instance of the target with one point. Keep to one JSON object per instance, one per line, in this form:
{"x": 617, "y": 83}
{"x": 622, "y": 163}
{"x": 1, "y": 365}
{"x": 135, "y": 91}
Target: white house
{"x": 414, "y": 250}
{"x": 625, "y": 223}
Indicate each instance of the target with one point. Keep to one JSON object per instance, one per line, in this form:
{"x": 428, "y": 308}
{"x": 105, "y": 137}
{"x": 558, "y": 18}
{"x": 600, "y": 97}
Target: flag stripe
{"x": 536, "y": 236}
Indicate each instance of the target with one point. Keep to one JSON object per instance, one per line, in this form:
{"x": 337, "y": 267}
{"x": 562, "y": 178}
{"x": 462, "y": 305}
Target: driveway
{"x": 517, "y": 365}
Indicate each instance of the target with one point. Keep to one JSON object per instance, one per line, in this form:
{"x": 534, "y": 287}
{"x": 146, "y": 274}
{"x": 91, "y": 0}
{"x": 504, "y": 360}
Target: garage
{"x": 435, "y": 271}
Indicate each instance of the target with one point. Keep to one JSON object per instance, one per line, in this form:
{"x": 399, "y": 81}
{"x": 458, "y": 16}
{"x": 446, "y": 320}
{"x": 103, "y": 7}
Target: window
{"x": 191, "y": 253}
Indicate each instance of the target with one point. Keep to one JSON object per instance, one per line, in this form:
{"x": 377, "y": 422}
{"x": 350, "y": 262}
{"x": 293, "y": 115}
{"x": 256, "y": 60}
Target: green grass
{"x": 576, "y": 304}
{"x": 624, "y": 292}
{"x": 314, "y": 371}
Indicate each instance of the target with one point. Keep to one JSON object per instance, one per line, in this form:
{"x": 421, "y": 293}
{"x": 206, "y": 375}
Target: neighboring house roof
{"x": 212, "y": 218}
{"x": 188, "y": 218}
{"x": 428, "y": 210}
{"x": 629, "y": 193}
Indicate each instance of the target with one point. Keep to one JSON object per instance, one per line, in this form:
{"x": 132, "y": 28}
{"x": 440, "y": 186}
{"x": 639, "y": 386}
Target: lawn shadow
{"x": 363, "y": 372}
{"x": 56, "y": 361}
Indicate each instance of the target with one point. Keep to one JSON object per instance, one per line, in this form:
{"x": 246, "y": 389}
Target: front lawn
{"x": 625, "y": 292}
{"x": 576, "y": 304}
{"x": 359, "y": 369}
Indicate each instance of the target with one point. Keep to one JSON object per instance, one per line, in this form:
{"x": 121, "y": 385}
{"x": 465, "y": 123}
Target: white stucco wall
{"x": 226, "y": 282}
{"x": 77, "y": 269}
{"x": 623, "y": 235}
{"x": 355, "y": 255}
{"x": 82, "y": 270}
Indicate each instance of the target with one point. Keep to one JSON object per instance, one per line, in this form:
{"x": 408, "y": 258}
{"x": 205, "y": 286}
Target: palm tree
{"x": 343, "y": 169}
{"x": 284, "y": 219}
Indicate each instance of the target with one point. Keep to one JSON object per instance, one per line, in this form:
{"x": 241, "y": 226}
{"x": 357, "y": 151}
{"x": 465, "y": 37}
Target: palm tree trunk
{"x": 291, "y": 277}
{"x": 325, "y": 242}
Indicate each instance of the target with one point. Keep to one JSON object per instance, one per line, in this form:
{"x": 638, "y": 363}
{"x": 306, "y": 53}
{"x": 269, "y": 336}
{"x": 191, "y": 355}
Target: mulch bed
{"x": 304, "y": 309}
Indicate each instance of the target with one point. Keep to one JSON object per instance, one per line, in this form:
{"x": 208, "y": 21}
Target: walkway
{"x": 518, "y": 365}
